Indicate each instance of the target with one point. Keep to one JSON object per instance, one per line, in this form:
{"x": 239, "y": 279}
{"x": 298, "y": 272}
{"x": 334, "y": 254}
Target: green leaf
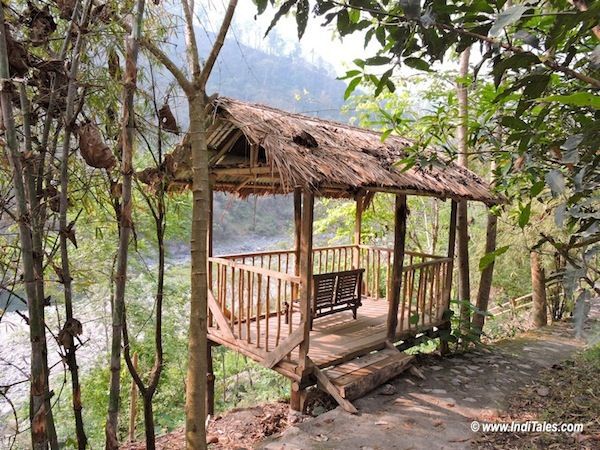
{"x": 490, "y": 257}
{"x": 261, "y": 5}
{"x": 383, "y": 81}
{"x": 350, "y": 74}
{"x": 506, "y": 18}
{"x": 417, "y": 63}
{"x": 414, "y": 319}
{"x": 524, "y": 215}
{"x": 577, "y": 99}
{"x": 359, "y": 62}
{"x": 351, "y": 86}
{"x": 536, "y": 188}
{"x": 302, "y": 10}
{"x": 513, "y": 122}
{"x": 517, "y": 61}
{"x": 283, "y": 10}
{"x": 377, "y": 61}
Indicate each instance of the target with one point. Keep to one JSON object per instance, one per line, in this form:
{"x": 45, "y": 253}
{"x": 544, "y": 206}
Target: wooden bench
{"x": 334, "y": 292}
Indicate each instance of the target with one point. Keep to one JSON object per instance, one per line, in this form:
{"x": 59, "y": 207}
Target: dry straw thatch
{"x": 262, "y": 150}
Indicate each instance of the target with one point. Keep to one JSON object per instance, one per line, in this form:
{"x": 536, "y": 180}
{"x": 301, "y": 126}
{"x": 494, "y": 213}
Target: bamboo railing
{"x": 378, "y": 261}
{"x": 251, "y": 303}
{"x": 251, "y": 290}
{"x": 423, "y": 287}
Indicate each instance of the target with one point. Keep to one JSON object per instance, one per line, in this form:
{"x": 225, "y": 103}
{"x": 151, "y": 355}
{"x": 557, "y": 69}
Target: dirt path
{"x": 436, "y": 413}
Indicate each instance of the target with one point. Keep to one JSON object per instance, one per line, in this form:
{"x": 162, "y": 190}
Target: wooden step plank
{"x": 359, "y": 376}
{"x": 355, "y": 364}
{"x": 368, "y": 370}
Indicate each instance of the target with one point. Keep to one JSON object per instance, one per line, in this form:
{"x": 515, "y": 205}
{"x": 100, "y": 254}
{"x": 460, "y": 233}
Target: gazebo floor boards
{"x": 334, "y": 339}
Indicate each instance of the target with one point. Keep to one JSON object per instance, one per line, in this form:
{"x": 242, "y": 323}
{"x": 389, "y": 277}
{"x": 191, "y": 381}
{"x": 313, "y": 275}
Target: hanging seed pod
{"x": 167, "y": 119}
{"x": 71, "y": 328}
{"x": 50, "y": 76}
{"x": 66, "y": 8}
{"x": 93, "y": 149}
{"x": 114, "y": 65}
{"x": 102, "y": 13}
{"x": 18, "y": 58}
{"x": 40, "y": 24}
{"x": 116, "y": 189}
{"x": 52, "y": 198}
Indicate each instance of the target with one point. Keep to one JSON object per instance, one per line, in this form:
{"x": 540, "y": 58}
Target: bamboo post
{"x": 447, "y": 292}
{"x": 399, "y": 241}
{"x": 305, "y": 272}
{"x": 210, "y": 376}
{"x": 133, "y": 402}
{"x": 357, "y": 231}
{"x": 210, "y": 382}
{"x": 297, "y": 228}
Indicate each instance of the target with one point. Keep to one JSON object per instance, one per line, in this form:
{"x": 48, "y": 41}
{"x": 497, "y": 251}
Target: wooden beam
{"x": 357, "y": 230}
{"x": 284, "y": 348}
{"x": 209, "y": 237}
{"x": 226, "y": 147}
{"x": 243, "y": 171}
{"x": 451, "y": 250}
{"x": 297, "y": 397}
{"x": 446, "y": 327}
{"x": 256, "y": 269}
{"x": 326, "y": 385}
{"x": 297, "y": 227}
{"x": 399, "y": 244}
{"x": 219, "y": 317}
{"x": 306, "y": 269}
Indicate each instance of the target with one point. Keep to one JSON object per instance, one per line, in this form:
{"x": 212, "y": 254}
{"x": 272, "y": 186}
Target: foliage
{"x": 542, "y": 60}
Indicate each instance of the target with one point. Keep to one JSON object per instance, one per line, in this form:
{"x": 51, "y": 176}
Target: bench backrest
{"x": 336, "y": 288}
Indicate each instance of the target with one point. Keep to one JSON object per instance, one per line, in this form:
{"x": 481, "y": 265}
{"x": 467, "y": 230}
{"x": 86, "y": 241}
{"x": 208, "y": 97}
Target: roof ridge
{"x": 316, "y": 120}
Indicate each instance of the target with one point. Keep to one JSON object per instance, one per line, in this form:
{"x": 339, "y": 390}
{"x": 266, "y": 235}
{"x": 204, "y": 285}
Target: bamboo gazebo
{"x": 331, "y": 316}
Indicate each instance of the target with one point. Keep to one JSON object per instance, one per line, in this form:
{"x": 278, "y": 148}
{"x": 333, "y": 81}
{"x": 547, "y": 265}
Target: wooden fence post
{"x": 399, "y": 244}
{"x": 444, "y": 348}
{"x": 357, "y": 231}
{"x": 306, "y": 270}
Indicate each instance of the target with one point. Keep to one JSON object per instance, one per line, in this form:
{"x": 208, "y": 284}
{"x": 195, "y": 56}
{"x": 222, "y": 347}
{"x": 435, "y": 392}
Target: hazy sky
{"x": 318, "y": 41}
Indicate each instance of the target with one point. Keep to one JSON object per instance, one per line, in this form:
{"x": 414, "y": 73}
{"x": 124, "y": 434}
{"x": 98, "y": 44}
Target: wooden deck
{"x": 333, "y": 339}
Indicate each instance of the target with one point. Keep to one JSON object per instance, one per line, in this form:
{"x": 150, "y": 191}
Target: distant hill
{"x": 287, "y": 82}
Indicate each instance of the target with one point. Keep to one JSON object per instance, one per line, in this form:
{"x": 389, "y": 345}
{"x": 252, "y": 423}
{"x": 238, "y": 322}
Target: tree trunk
{"x": 133, "y": 395}
{"x": 464, "y": 285}
{"x": 539, "y": 312}
{"x": 487, "y": 275}
{"x": 195, "y": 428}
{"x": 149, "y": 422}
{"x": 118, "y": 316}
{"x": 71, "y": 326}
{"x": 41, "y": 415}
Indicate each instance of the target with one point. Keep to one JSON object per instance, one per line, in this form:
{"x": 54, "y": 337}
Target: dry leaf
{"x": 93, "y": 149}
{"x": 167, "y": 119}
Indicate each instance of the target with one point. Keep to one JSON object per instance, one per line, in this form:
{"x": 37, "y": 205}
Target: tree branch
{"x": 162, "y": 57}
{"x": 214, "y": 53}
{"x": 190, "y": 38}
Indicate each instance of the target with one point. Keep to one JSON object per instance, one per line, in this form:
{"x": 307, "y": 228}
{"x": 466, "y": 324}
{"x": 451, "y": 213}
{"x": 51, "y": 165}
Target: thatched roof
{"x": 256, "y": 149}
